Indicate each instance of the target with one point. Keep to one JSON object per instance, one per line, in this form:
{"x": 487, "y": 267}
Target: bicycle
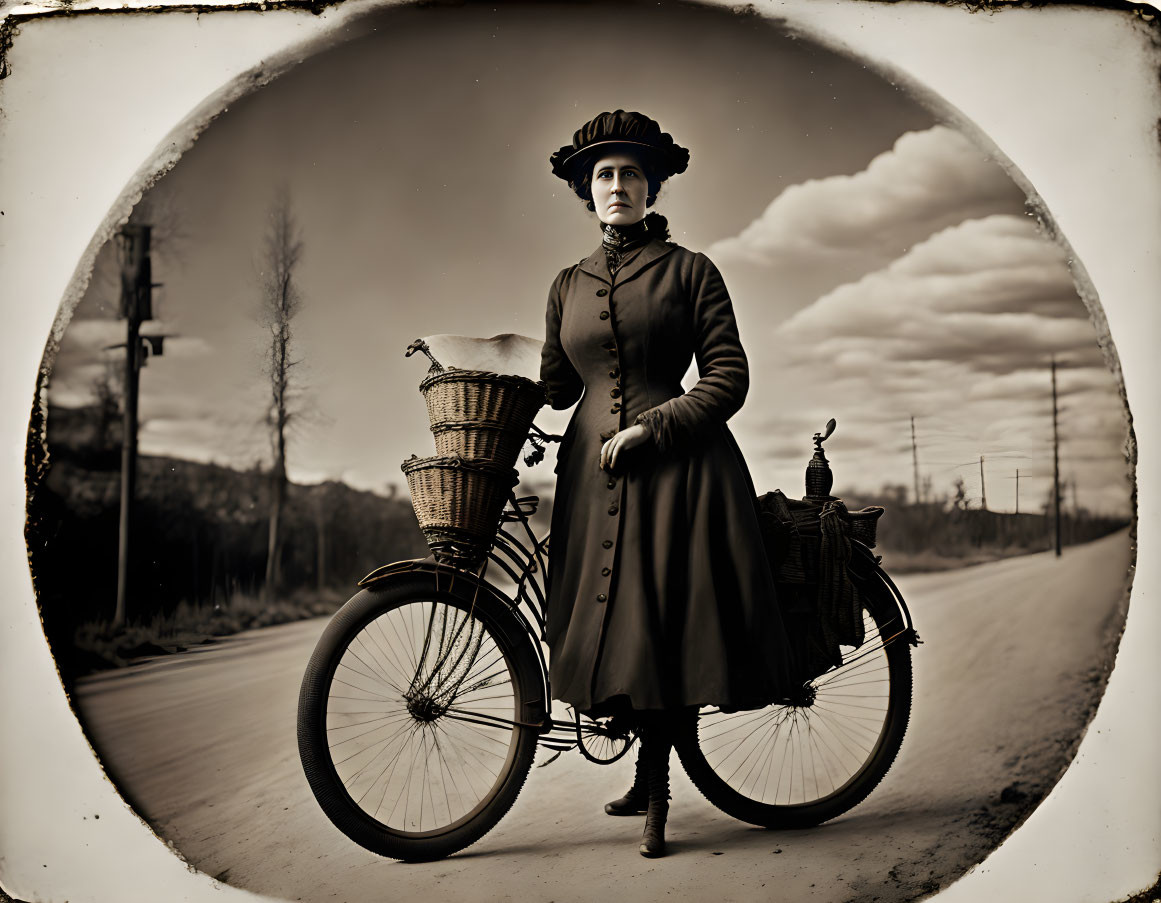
{"x": 425, "y": 700}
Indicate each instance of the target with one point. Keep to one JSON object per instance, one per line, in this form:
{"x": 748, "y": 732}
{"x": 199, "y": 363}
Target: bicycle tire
{"x": 743, "y": 800}
{"x": 406, "y": 629}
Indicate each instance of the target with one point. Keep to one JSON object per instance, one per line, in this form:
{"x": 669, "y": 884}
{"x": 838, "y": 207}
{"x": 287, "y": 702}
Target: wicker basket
{"x": 487, "y": 399}
{"x": 477, "y": 414}
{"x": 864, "y": 523}
{"x": 478, "y": 440}
{"x": 458, "y": 504}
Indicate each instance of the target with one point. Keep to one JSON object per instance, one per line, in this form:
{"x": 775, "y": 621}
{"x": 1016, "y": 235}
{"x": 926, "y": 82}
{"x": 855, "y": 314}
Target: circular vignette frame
{"x": 346, "y": 26}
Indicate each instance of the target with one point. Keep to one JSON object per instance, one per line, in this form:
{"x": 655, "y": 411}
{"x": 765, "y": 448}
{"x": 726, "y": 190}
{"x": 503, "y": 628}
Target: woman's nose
{"x": 616, "y": 187}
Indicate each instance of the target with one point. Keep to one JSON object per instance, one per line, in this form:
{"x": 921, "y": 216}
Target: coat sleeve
{"x": 721, "y": 365}
{"x": 556, "y": 370}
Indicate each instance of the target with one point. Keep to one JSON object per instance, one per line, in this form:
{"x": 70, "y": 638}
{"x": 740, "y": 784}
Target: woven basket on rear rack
{"x": 458, "y": 504}
{"x": 864, "y": 524}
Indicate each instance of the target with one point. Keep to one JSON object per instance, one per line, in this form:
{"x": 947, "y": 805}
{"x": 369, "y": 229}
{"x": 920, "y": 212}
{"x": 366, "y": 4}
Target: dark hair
{"x": 583, "y": 188}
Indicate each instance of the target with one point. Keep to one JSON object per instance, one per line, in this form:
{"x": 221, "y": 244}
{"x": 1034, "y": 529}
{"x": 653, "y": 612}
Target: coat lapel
{"x": 596, "y": 265}
{"x": 646, "y": 257}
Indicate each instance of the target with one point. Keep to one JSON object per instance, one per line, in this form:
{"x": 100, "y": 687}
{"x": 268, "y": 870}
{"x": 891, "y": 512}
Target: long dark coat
{"x": 660, "y": 594}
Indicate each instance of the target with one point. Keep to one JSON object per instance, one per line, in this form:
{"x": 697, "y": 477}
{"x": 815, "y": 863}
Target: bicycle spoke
{"x": 419, "y": 716}
{"x": 791, "y": 755}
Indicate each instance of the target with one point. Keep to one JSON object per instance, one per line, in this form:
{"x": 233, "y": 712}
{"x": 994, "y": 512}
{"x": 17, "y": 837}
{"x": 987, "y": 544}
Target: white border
{"x": 1070, "y": 96}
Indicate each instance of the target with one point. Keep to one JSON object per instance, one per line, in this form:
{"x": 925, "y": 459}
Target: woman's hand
{"x": 622, "y": 441}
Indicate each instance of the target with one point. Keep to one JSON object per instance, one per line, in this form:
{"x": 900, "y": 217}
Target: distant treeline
{"x": 199, "y": 536}
{"x": 940, "y": 534}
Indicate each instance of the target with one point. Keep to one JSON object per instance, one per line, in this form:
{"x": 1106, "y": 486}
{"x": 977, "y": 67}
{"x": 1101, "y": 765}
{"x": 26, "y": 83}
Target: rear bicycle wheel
{"x": 796, "y": 766}
{"x": 413, "y": 717}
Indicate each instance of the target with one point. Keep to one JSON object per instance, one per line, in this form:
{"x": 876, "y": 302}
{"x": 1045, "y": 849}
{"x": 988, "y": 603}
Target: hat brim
{"x": 568, "y": 161}
{"x": 661, "y": 162}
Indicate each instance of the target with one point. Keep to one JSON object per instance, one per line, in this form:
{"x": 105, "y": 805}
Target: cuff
{"x": 651, "y": 420}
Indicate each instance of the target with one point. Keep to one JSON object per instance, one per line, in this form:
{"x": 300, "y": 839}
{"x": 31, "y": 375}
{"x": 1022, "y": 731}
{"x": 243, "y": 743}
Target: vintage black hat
{"x": 665, "y": 156}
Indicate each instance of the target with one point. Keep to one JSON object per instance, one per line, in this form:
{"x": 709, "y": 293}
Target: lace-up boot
{"x": 636, "y": 799}
{"x": 657, "y": 743}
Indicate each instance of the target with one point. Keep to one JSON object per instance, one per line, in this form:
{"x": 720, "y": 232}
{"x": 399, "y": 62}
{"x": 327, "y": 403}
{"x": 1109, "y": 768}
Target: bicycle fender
{"x": 386, "y": 570}
{"x": 865, "y": 565}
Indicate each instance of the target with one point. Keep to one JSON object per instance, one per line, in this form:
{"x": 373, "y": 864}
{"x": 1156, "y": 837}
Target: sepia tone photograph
{"x": 387, "y": 529}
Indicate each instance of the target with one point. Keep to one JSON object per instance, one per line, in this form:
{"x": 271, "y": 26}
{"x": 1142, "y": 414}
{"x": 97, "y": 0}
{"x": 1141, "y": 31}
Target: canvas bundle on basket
{"x": 480, "y": 421}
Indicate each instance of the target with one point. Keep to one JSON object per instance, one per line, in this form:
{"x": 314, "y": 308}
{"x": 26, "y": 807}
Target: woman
{"x": 660, "y": 597}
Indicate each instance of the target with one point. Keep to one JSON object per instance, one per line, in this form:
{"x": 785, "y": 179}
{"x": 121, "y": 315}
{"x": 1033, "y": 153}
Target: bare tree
{"x": 280, "y": 302}
{"x": 959, "y": 501}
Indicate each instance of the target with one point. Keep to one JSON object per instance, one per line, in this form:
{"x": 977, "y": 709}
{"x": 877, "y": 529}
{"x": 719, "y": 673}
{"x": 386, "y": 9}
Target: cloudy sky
{"x": 881, "y": 266}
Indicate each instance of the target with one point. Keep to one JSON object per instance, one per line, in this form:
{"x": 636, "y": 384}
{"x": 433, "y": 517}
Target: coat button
{"x": 615, "y": 408}
{"x": 612, "y": 509}
{"x": 613, "y": 351}
{"x": 614, "y": 392}
{"x": 614, "y": 373}
{"x": 601, "y": 597}
{"x": 605, "y": 572}
{"x": 608, "y": 543}
{"x": 612, "y": 484}
{"x": 601, "y": 292}
{"x": 604, "y": 315}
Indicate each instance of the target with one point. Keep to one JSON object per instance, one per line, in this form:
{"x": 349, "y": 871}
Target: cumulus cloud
{"x": 827, "y": 232}
{"x": 93, "y": 334}
{"x": 958, "y": 333}
{"x": 1014, "y": 305}
{"x": 76, "y": 387}
{"x": 927, "y": 181}
{"x": 89, "y": 348}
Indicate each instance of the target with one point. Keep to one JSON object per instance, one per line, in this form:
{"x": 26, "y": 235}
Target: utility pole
{"x": 1017, "y": 490}
{"x": 915, "y": 461}
{"x": 1055, "y": 461}
{"x": 136, "y": 304}
{"x": 983, "y": 489}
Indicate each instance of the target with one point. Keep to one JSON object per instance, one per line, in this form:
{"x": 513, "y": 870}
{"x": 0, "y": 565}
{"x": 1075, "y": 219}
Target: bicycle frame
{"x": 466, "y": 634}
{"x": 523, "y": 560}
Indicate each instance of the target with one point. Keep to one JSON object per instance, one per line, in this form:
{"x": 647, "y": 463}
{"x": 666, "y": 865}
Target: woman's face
{"x": 619, "y": 189}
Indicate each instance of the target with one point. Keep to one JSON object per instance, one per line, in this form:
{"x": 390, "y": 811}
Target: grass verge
{"x": 98, "y": 645}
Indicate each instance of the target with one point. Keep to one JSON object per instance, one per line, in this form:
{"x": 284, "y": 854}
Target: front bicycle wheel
{"x": 796, "y": 766}
{"x": 417, "y": 717}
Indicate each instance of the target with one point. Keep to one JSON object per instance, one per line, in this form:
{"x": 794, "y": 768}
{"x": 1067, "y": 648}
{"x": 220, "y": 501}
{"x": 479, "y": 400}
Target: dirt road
{"x": 1013, "y": 662}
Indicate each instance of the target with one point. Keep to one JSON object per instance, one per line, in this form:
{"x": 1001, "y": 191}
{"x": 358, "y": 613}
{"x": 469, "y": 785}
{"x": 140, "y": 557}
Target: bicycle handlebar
{"x": 536, "y": 438}
{"x": 536, "y": 432}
